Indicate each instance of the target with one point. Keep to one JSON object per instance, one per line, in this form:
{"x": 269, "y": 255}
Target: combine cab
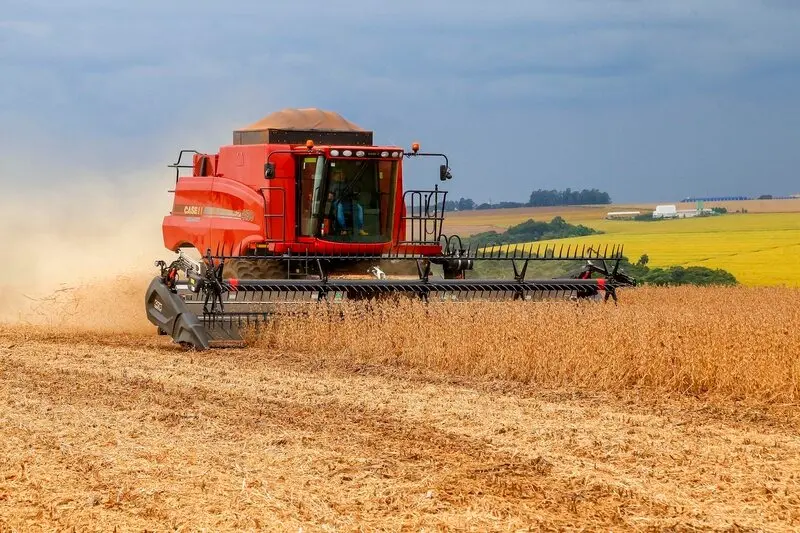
{"x": 303, "y": 208}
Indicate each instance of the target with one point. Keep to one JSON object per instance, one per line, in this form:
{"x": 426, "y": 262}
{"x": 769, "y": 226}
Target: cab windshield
{"x": 348, "y": 200}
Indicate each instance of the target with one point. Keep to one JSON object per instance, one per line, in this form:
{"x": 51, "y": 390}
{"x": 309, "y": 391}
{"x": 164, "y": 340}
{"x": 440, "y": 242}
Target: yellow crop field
{"x": 730, "y": 223}
{"x": 760, "y": 249}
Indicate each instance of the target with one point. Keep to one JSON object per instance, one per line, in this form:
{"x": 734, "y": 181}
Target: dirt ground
{"x": 130, "y": 432}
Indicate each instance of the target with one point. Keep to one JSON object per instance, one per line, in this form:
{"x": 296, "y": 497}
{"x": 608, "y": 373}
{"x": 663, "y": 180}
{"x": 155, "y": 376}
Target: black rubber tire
{"x": 254, "y": 269}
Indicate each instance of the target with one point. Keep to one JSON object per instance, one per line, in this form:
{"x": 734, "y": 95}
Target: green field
{"x": 760, "y": 249}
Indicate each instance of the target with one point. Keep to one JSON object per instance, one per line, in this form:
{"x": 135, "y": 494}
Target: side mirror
{"x": 444, "y": 173}
{"x": 269, "y": 171}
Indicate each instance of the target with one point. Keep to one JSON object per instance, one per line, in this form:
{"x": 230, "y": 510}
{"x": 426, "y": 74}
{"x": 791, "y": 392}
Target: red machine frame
{"x": 231, "y": 203}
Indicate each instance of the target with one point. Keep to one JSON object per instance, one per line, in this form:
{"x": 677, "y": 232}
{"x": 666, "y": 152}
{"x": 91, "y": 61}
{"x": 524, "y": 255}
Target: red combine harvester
{"x": 304, "y": 208}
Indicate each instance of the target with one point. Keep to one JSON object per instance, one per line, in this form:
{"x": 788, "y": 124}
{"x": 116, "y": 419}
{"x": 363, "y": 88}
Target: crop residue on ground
{"x": 675, "y": 409}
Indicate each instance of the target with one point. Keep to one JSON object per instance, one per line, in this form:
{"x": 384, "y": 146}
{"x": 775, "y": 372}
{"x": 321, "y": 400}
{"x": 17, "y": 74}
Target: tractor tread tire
{"x": 254, "y": 269}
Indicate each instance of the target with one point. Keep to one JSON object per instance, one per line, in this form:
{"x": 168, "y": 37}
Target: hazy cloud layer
{"x": 648, "y": 100}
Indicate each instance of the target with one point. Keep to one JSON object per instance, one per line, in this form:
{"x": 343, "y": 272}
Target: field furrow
{"x": 101, "y": 430}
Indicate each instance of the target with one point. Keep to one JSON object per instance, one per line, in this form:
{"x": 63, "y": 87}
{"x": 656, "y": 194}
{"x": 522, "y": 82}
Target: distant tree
{"x": 693, "y": 275}
{"x": 677, "y": 275}
{"x": 544, "y": 198}
{"x": 507, "y": 205}
{"x": 531, "y": 231}
{"x": 538, "y": 198}
{"x": 466, "y": 204}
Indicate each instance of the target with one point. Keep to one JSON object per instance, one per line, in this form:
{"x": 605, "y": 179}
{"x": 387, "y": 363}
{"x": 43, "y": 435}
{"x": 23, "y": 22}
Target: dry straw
{"x": 102, "y": 426}
{"x": 737, "y": 343}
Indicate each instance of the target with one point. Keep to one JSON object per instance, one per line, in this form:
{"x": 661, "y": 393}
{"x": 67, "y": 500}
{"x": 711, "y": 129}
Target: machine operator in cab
{"x": 343, "y": 206}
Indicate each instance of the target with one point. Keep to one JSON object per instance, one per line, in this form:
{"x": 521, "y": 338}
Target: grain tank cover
{"x": 296, "y": 126}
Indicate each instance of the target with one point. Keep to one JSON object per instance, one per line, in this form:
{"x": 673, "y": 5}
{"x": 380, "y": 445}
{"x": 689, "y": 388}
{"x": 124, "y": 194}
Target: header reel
{"x": 192, "y": 301}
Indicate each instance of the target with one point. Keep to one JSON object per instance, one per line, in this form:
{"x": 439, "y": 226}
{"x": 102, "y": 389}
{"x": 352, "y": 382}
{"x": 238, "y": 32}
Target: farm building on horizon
{"x": 665, "y": 211}
{"x": 693, "y": 199}
{"x": 622, "y": 215}
{"x": 690, "y": 199}
{"x": 670, "y": 211}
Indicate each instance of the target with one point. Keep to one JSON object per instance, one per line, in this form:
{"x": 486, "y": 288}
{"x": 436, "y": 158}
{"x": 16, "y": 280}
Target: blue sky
{"x": 649, "y": 100}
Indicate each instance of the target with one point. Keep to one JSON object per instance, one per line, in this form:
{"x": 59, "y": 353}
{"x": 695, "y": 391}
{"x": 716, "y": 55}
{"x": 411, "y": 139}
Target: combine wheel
{"x": 449, "y": 273}
{"x": 254, "y": 269}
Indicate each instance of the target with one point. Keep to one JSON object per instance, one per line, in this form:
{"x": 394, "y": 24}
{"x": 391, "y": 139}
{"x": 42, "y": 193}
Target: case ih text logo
{"x": 197, "y": 210}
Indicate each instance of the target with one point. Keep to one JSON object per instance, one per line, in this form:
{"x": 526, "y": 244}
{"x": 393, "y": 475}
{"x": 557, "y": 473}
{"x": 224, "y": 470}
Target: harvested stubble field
{"x": 469, "y": 222}
{"x": 676, "y": 409}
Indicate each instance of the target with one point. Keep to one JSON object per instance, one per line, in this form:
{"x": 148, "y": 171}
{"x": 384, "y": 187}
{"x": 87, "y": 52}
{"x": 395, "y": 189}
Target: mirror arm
{"x": 429, "y": 154}
{"x": 425, "y": 154}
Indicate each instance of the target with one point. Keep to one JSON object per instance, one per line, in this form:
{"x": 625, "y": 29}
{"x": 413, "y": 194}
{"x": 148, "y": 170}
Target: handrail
{"x": 426, "y": 228}
{"x": 281, "y": 215}
{"x": 177, "y": 164}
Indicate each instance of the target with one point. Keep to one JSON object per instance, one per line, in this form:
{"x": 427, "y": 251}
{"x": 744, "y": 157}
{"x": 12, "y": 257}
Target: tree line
{"x": 676, "y": 275}
{"x": 531, "y": 231}
{"x": 538, "y": 198}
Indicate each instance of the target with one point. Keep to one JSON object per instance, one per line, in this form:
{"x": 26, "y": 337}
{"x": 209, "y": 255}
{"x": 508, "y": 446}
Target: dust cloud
{"x": 81, "y": 252}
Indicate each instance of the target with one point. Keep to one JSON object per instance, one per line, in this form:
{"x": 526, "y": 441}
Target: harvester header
{"x": 303, "y": 207}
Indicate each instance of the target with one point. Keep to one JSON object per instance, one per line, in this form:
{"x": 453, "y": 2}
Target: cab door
{"x": 310, "y": 191}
